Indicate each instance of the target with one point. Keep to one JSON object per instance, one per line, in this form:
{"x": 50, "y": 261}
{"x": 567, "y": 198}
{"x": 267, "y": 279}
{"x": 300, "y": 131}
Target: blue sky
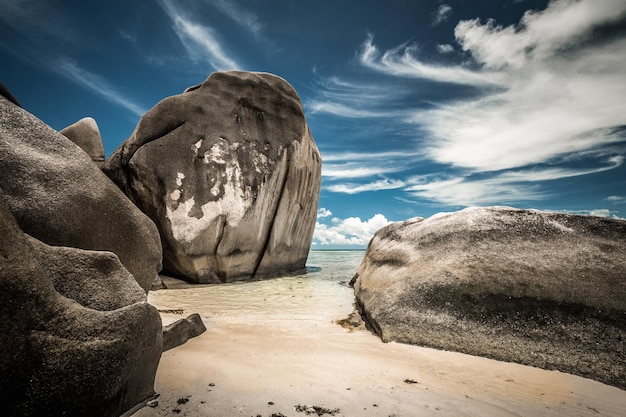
{"x": 416, "y": 106}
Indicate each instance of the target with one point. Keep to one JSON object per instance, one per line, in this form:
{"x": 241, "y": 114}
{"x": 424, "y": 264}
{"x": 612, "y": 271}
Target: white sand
{"x": 270, "y": 347}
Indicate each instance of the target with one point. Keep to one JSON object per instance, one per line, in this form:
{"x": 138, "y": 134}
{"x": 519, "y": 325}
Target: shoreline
{"x": 260, "y": 361}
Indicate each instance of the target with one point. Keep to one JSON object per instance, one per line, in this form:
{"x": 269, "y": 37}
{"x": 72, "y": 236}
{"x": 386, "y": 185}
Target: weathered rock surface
{"x": 542, "y": 289}
{"x": 60, "y": 197}
{"x": 94, "y": 279}
{"x": 4, "y": 92}
{"x": 180, "y": 331}
{"x": 61, "y": 358}
{"x": 86, "y": 134}
{"x": 230, "y": 174}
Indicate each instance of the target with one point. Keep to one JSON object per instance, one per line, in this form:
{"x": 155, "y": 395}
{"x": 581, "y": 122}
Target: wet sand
{"x": 273, "y": 346}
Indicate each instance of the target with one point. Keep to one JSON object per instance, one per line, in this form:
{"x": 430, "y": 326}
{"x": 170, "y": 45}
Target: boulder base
{"x": 541, "y": 289}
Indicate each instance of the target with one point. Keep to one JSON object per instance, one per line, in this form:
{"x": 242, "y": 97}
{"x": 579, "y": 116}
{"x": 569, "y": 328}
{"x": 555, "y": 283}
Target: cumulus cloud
{"x": 442, "y": 14}
{"x": 539, "y": 35}
{"x": 351, "y": 231}
{"x": 322, "y": 212}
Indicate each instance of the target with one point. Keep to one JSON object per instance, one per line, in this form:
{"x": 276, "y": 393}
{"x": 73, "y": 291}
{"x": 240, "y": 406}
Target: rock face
{"x": 180, "y": 331}
{"x": 541, "y": 289}
{"x": 96, "y": 356}
{"x": 230, "y": 174}
{"x": 86, "y": 135}
{"x": 60, "y": 197}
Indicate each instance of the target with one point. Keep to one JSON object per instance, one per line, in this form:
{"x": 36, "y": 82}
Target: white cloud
{"x": 442, "y": 14}
{"x": 364, "y": 157}
{"x": 539, "y": 35}
{"x": 351, "y": 231}
{"x": 342, "y": 110}
{"x": 351, "y": 188}
{"x": 563, "y": 96}
{"x": 461, "y": 191}
{"x": 549, "y": 88}
{"x": 616, "y": 199}
{"x": 594, "y": 212}
{"x": 358, "y": 170}
{"x": 243, "y": 18}
{"x": 199, "y": 40}
{"x": 323, "y": 212}
{"x": 351, "y": 99}
{"x": 445, "y": 48}
{"x": 401, "y": 61}
{"x": 95, "y": 83}
{"x": 499, "y": 188}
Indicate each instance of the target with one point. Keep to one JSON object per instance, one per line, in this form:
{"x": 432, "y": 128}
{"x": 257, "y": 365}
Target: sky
{"x": 417, "y": 107}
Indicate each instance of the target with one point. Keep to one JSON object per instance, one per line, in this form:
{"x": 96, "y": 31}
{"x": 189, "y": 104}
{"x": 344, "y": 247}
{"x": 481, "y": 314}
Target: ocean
{"x": 321, "y": 293}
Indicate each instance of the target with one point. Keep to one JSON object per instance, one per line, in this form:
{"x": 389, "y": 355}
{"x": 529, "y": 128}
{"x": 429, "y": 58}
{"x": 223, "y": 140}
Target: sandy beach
{"x": 273, "y": 348}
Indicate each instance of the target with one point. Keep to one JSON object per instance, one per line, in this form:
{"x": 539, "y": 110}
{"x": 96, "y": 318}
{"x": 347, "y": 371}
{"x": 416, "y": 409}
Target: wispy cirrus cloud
{"x": 551, "y": 89}
{"x": 403, "y": 62}
{"x": 355, "y": 188}
{"x": 96, "y": 84}
{"x": 242, "y": 17}
{"x": 616, "y": 199}
{"x": 342, "y": 110}
{"x": 200, "y": 40}
{"x": 471, "y": 189}
{"x": 565, "y": 92}
{"x": 354, "y": 100}
{"x": 357, "y": 170}
{"x": 36, "y": 18}
{"x": 498, "y": 188}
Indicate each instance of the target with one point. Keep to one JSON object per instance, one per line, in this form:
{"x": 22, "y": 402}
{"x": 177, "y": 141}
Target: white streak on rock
{"x": 233, "y": 205}
{"x": 179, "y": 179}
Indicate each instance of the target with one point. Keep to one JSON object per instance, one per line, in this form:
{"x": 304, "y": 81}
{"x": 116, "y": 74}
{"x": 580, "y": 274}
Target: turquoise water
{"x": 320, "y": 294}
{"x": 335, "y": 265}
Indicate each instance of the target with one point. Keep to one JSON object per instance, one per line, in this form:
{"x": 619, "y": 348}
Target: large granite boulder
{"x": 96, "y": 356}
{"x": 542, "y": 289}
{"x": 230, "y": 174}
{"x": 59, "y": 196}
{"x": 86, "y": 134}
